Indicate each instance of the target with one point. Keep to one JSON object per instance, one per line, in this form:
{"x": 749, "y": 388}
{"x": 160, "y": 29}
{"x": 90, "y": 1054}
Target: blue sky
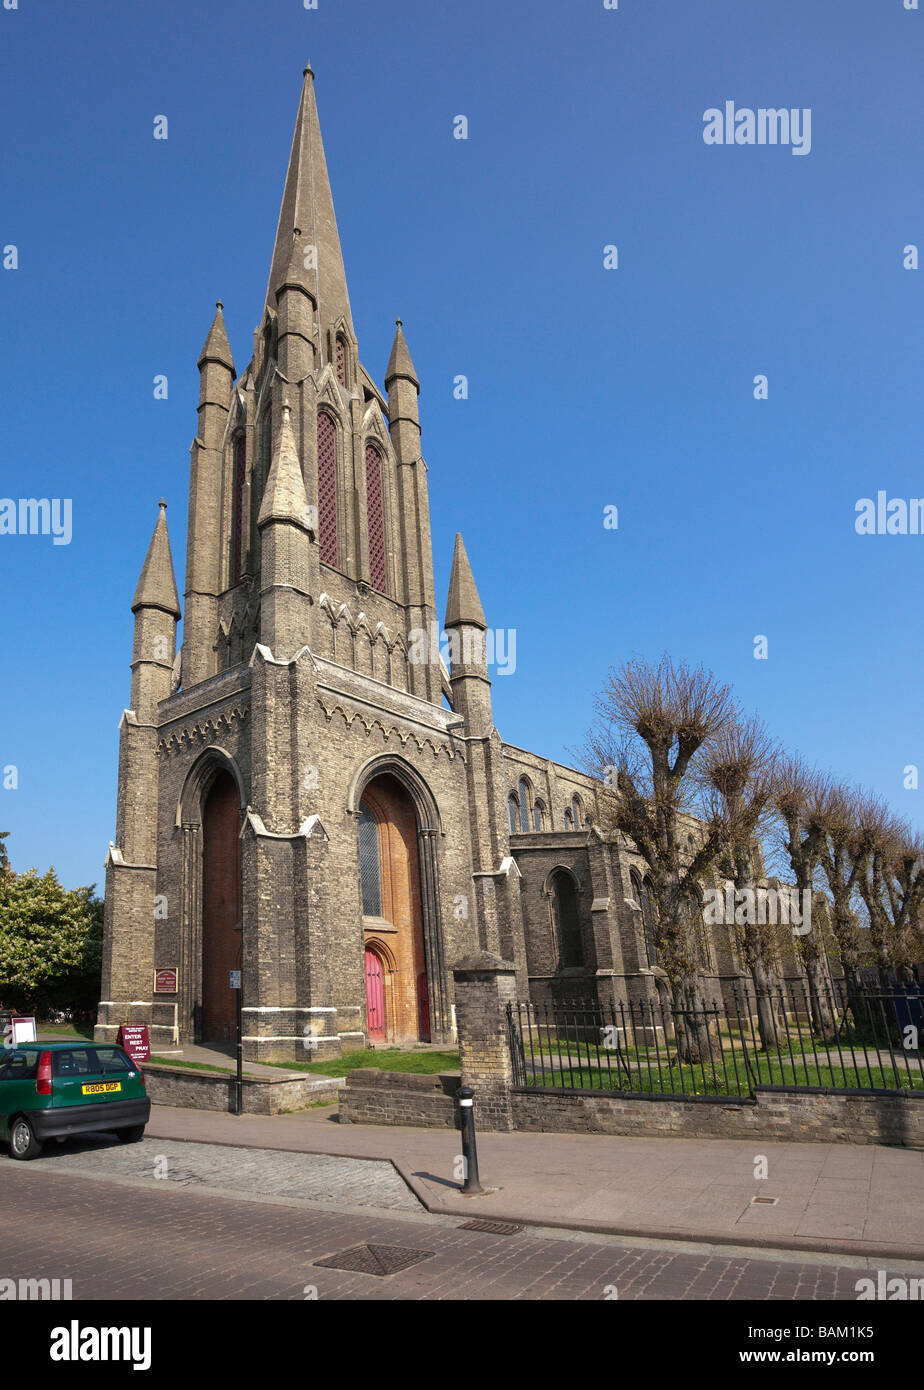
{"x": 588, "y": 388}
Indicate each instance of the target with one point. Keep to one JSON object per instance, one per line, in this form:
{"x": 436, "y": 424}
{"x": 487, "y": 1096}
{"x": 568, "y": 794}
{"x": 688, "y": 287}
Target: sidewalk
{"x": 840, "y": 1198}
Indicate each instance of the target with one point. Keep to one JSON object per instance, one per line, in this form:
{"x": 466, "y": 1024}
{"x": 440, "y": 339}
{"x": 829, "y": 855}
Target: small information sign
{"x": 133, "y": 1037}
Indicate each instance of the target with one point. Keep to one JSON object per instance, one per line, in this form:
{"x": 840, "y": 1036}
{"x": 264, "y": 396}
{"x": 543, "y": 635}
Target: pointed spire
{"x": 157, "y": 585}
{"x": 463, "y": 607}
{"x": 399, "y": 363}
{"x": 307, "y": 204}
{"x": 216, "y": 347}
{"x": 284, "y": 498}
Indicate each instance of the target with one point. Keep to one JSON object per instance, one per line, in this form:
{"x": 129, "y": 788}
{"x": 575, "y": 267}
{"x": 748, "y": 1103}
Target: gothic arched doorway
{"x": 392, "y": 914}
{"x": 222, "y": 939}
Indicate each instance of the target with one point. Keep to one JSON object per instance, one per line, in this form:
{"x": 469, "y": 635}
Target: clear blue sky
{"x": 588, "y": 387}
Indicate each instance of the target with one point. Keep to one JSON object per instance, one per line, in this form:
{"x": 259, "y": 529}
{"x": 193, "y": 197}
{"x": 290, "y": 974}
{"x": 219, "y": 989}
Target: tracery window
{"x": 370, "y": 862}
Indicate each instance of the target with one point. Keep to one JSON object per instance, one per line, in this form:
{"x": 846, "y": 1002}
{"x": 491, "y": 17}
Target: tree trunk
{"x": 766, "y": 1013}
{"x": 695, "y": 1042}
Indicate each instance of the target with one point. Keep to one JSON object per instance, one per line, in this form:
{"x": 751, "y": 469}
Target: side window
{"x": 112, "y": 1059}
{"x": 19, "y": 1066}
{"x": 74, "y": 1062}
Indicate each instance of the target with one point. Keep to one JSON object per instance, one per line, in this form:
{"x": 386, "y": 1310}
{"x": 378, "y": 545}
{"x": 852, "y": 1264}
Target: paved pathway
{"x": 861, "y": 1199}
{"x": 307, "y": 1177}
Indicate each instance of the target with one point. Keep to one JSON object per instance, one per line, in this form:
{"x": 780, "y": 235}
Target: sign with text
{"x": 133, "y": 1037}
{"x": 166, "y": 981}
{"x": 235, "y": 979}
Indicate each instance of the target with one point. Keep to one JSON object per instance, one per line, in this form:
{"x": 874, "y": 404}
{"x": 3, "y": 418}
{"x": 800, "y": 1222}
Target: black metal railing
{"x": 841, "y": 1037}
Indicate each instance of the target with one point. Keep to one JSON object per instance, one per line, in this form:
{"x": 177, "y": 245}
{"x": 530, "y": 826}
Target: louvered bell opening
{"x": 376, "y": 518}
{"x": 327, "y": 489}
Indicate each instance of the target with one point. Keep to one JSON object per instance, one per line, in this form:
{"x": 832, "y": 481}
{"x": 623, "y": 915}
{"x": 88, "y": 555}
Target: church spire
{"x": 157, "y": 585}
{"x": 463, "y": 608}
{"x": 307, "y": 205}
{"x": 284, "y": 498}
{"x": 399, "y": 363}
{"x": 216, "y": 347}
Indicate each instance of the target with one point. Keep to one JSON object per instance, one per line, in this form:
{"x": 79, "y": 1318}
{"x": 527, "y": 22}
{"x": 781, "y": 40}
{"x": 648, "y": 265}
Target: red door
{"x": 375, "y": 996}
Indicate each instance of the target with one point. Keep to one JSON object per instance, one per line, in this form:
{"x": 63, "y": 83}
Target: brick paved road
{"x": 342, "y": 1182}
{"x": 60, "y": 1219}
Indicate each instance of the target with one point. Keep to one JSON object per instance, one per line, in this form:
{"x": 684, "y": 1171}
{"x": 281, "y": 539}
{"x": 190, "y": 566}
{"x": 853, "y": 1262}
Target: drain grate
{"x": 764, "y": 1201}
{"x": 492, "y": 1228}
{"x": 376, "y": 1259}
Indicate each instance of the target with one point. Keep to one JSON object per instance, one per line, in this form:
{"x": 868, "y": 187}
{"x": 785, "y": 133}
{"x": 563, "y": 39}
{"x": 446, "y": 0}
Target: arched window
{"x": 645, "y": 899}
{"x": 370, "y": 862}
{"x": 327, "y": 489}
{"x": 577, "y": 807}
{"x": 538, "y": 814}
{"x": 513, "y": 808}
{"x": 375, "y": 512}
{"x": 341, "y": 361}
{"x": 237, "y": 522}
{"x": 567, "y": 921}
{"x": 569, "y": 819}
{"x": 524, "y": 804}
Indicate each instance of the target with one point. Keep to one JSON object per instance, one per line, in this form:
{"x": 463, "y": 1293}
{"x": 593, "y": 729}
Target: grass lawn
{"x": 60, "y": 1032}
{"x": 386, "y": 1059}
{"x": 735, "y": 1080}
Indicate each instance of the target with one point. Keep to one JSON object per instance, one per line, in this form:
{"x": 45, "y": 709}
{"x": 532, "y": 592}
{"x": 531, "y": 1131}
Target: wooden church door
{"x": 375, "y": 996}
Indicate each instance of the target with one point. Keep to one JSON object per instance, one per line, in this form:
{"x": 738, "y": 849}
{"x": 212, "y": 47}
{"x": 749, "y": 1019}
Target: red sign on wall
{"x": 165, "y": 981}
{"x": 133, "y": 1037}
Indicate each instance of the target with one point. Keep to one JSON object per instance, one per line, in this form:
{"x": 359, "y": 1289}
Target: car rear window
{"x": 19, "y": 1066}
{"x": 113, "y": 1059}
{"x": 78, "y": 1061}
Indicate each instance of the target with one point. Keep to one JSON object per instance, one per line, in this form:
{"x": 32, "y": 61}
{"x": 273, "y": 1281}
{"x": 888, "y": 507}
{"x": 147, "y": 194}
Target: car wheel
{"x": 23, "y": 1143}
{"x": 131, "y": 1136}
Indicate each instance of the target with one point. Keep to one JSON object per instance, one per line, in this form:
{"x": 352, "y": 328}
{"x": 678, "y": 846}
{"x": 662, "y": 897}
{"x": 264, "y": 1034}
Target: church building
{"x": 307, "y": 793}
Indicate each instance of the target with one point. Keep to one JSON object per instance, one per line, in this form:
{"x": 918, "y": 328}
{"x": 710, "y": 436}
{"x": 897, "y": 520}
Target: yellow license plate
{"x": 100, "y": 1086}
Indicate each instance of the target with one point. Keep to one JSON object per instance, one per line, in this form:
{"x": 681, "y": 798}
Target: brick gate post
{"x": 484, "y": 985}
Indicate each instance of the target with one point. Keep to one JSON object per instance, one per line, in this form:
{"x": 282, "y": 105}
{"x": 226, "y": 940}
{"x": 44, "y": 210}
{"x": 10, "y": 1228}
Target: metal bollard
{"x": 471, "y": 1186}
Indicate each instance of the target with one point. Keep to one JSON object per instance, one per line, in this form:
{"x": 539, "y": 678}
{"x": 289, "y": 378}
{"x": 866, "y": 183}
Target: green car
{"x": 54, "y": 1090}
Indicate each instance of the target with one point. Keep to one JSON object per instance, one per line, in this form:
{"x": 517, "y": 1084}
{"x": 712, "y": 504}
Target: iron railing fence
{"x": 838, "y": 1037}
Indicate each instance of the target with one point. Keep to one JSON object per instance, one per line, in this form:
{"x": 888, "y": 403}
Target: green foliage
{"x": 51, "y": 942}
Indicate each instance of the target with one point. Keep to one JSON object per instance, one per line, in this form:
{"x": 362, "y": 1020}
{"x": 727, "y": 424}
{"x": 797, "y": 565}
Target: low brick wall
{"x": 374, "y": 1097}
{"x": 204, "y": 1090}
{"x": 826, "y": 1117}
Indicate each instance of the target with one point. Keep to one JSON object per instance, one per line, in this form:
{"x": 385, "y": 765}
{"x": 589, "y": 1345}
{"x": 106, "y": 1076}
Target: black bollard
{"x": 471, "y": 1186}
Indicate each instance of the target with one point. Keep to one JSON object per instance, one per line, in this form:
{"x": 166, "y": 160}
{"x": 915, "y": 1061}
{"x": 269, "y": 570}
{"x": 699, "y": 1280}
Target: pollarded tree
{"x": 848, "y": 823}
{"x": 653, "y": 722}
{"x": 905, "y": 891}
{"x": 797, "y": 790}
{"x": 874, "y": 849}
{"x": 738, "y": 770}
